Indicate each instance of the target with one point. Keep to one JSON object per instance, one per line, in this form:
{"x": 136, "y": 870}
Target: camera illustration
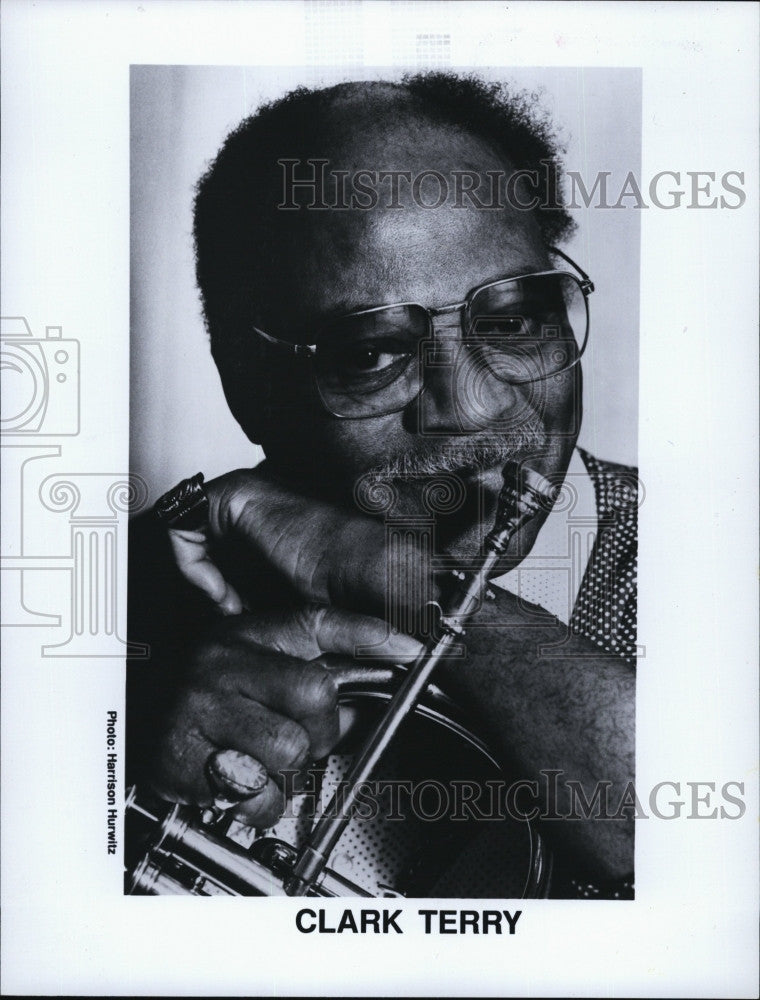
{"x": 492, "y": 391}
{"x": 39, "y": 379}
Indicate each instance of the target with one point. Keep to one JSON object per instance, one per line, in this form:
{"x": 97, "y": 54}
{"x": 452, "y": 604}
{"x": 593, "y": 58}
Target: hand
{"x": 326, "y": 553}
{"x": 256, "y": 686}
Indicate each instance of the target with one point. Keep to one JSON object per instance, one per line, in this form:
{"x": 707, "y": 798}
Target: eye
{"x": 366, "y": 355}
{"x": 363, "y": 366}
{"x": 369, "y": 358}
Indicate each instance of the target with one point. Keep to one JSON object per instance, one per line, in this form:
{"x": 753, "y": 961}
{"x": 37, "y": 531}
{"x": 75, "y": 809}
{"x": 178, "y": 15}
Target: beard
{"x": 456, "y": 481}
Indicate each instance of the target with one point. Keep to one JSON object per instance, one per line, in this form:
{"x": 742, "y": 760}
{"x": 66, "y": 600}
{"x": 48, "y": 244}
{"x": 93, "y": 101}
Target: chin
{"x": 461, "y": 531}
{"x": 464, "y": 544}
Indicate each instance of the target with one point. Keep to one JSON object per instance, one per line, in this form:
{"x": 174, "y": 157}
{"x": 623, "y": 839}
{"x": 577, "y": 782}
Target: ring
{"x": 222, "y": 803}
{"x": 217, "y": 810}
{"x": 233, "y": 777}
{"x": 184, "y": 506}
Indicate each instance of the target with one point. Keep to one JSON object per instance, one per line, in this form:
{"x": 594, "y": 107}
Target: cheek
{"x": 556, "y": 402}
{"x": 559, "y": 409}
{"x": 353, "y": 446}
{"x": 306, "y": 444}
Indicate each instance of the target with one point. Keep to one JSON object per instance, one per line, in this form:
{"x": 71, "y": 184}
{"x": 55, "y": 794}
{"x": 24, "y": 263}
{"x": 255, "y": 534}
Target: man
{"x": 385, "y": 307}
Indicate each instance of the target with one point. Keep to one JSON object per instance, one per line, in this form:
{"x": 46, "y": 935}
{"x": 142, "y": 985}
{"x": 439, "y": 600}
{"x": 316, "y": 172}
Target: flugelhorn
{"x": 180, "y": 854}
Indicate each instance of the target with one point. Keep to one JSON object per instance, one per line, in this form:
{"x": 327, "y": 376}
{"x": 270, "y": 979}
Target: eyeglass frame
{"x": 309, "y": 351}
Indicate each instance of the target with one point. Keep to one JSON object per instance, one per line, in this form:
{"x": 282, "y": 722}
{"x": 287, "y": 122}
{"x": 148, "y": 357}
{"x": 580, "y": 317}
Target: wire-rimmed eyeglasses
{"x": 520, "y": 329}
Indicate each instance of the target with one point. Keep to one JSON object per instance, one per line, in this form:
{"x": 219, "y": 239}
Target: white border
{"x": 66, "y": 927}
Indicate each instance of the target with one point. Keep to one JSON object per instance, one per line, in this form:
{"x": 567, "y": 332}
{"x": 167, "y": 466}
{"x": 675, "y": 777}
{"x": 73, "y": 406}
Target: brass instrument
{"x": 185, "y": 855}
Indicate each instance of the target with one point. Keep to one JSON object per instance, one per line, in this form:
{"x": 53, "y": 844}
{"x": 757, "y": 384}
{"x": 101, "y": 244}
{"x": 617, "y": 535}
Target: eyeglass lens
{"x": 521, "y": 329}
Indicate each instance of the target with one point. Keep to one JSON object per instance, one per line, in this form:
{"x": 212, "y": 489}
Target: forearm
{"x": 551, "y": 701}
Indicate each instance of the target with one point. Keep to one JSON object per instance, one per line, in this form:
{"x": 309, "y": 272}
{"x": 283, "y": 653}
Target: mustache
{"x": 465, "y": 456}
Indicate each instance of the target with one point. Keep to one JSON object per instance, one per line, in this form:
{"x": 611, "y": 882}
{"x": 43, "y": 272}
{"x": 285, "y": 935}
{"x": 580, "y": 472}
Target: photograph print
{"x": 384, "y": 384}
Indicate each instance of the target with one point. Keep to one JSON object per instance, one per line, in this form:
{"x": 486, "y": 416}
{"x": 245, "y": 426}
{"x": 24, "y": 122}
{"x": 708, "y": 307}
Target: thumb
{"x": 190, "y": 550}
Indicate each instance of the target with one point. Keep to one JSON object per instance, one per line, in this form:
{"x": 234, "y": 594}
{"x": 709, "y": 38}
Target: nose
{"x": 460, "y": 393}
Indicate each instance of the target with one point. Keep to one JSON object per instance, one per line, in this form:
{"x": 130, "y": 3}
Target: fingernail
{"x": 231, "y": 604}
{"x": 236, "y": 772}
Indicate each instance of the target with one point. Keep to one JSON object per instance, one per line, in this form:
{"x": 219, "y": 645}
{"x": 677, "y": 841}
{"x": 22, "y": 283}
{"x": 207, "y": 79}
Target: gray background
{"x": 179, "y": 422}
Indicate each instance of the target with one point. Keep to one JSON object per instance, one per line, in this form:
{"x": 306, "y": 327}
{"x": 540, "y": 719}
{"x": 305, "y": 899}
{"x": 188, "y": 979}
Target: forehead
{"x": 327, "y": 261}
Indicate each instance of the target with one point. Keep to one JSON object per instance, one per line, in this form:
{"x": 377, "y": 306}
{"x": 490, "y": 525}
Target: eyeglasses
{"x": 520, "y": 329}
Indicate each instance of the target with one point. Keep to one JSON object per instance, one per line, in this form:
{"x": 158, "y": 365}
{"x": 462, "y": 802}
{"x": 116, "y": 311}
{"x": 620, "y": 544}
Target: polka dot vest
{"x": 605, "y": 611}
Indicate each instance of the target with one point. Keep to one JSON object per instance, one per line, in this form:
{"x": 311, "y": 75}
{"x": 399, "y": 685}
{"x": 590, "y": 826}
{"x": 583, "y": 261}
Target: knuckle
{"x": 299, "y": 632}
{"x": 327, "y": 622}
{"x": 312, "y": 620}
{"x": 325, "y": 693}
{"x": 290, "y": 745}
{"x": 219, "y": 662}
{"x": 227, "y": 494}
{"x": 192, "y": 705}
{"x": 314, "y": 691}
{"x": 206, "y": 662}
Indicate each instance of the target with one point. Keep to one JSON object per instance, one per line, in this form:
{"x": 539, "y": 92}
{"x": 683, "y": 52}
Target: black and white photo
{"x": 379, "y": 518}
{"x": 396, "y": 326}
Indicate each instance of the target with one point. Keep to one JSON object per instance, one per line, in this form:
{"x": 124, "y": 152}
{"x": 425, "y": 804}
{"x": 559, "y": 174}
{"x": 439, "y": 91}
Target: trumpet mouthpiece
{"x": 524, "y": 492}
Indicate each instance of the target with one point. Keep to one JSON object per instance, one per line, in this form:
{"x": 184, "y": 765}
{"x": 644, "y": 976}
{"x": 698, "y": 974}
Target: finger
{"x": 250, "y": 679}
{"x": 358, "y": 635}
{"x": 206, "y": 724}
{"x": 190, "y": 550}
{"x": 298, "y": 691}
{"x": 278, "y": 742}
{"x": 244, "y": 788}
{"x": 262, "y": 811}
{"x": 330, "y": 555}
{"x": 179, "y": 773}
{"x": 182, "y": 768}
{"x": 315, "y": 629}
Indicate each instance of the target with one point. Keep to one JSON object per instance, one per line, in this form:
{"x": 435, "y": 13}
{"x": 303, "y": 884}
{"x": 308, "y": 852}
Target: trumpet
{"x": 181, "y": 853}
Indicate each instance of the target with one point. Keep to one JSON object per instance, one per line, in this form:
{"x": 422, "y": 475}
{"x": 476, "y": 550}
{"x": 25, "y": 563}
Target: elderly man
{"x": 385, "y": 305}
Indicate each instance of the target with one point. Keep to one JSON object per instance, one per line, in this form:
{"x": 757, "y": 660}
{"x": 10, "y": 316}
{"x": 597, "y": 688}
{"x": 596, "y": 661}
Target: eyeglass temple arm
{"x": 302, "y": 350}
{"x": 587, "y": 285}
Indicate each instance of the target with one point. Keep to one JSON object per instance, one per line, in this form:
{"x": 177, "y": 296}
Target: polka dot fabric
{"x": 605, "y": 611}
